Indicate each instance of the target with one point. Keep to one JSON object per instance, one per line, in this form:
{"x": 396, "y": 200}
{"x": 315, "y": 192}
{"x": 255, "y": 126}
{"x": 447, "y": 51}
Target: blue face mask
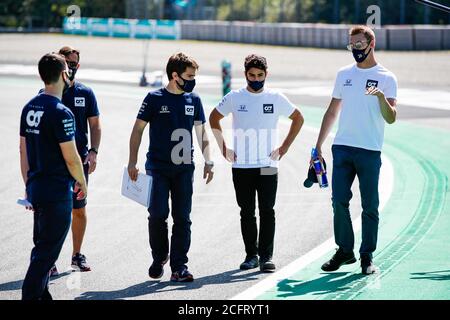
{"x": 255, "y": 85}
{"x": 188, "y": 85}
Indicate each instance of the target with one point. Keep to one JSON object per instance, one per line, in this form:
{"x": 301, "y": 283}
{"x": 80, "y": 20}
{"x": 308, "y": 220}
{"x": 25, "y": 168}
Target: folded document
{"x": 139, "y": 190}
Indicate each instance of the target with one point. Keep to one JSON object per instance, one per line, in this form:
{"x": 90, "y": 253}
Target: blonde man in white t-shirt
{"x": 255, "y": 156}
{"x": 365, "y": 95}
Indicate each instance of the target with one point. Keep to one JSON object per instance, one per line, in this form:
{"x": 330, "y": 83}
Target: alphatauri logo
{"x": 34, "y": 118}
{"x": 80, "y": 102}
{"x": 189, "y": 110}
{"x": 268, "y": 108}
{"x": 371, "y": 83}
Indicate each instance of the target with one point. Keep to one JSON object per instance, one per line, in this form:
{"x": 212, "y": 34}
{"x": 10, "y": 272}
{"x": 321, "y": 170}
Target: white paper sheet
{"x": 139, "y": 190}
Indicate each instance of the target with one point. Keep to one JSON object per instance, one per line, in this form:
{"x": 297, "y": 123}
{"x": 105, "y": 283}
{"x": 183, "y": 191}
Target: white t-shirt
{"x": 255, "y": 118}
{"x": 361, "y": 124}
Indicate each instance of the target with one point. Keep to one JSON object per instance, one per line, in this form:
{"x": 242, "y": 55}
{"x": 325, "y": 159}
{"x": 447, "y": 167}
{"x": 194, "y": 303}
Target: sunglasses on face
{"x": 72, "y": 64}
{"x": 358, "y": 45}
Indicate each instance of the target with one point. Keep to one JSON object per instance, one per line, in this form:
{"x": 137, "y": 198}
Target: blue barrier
{"x": 123, "y": 28}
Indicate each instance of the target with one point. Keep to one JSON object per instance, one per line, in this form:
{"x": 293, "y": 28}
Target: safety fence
{"x": 413, "y": 37}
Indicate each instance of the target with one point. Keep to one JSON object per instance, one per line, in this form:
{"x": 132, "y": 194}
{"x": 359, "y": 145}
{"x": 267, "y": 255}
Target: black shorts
{"x": 79, "y": 204}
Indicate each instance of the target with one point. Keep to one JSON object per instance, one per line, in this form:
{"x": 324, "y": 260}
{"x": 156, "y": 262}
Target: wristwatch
{"x": 209, "y": 163}
{"x": 93, "y": 150}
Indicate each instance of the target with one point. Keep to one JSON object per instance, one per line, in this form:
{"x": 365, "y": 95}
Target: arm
{"x": 214, "y": 122}
{"x": 388, "y": 109}
{"x": 96, "y": 134}
{"x": 327, "y": 123}
{"x": 73, "y": 162}
{"x": 387, "y": 105}
{"x": 135, "y": 142}
{"x": 296, "y": 125}
{"x": 203, "y": 142}
{"x": 24, "y": 167}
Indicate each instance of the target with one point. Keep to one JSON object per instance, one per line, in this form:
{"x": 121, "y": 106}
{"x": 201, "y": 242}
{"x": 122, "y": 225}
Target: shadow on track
{"x": 155, "y": 286}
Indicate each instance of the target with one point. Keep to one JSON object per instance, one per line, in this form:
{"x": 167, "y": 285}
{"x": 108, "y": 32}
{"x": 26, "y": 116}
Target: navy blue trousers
{"x": 51, "y": 224}
{"x": 179, "y": 183}
{"x": 349, "y": 162}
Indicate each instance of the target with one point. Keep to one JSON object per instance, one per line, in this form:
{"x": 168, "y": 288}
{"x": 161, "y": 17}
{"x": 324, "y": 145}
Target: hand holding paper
{"x": 138, "y": 190}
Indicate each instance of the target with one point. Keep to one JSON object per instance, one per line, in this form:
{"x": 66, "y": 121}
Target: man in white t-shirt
{"x": 255, "y": 156}
{"x": 365, "y": 95}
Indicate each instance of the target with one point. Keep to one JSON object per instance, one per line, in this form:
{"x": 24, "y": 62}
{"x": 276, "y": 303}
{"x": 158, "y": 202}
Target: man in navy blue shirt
{"x": 49, "y": 164}
{"x": 81, "y": 100}
{"x": 172, "y": 113}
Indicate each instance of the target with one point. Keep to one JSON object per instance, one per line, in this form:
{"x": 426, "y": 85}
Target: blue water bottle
{"x": 321, "y": 173}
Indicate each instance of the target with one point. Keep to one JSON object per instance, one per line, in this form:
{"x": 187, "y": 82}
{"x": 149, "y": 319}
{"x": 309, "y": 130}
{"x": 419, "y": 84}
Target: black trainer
{"x": 156, "y": 270}
{"x": 367, "y": 266}
{"x": 183, "y": 275}
{"x": 249, "y": 263}
{"x": 338, "y": 260}
{"x": 79, "y": 263}
{"x": 267, "y": 265}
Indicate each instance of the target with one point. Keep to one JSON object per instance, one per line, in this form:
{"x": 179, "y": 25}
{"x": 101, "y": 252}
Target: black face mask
{"x": 188, "y": 85}
{"x": 66, "y": 83}
{"x": 73, "y": 68}
{"x": 360, "y": 55}
{"x": 72, "y": 72}
{"x": 255, "y": 85}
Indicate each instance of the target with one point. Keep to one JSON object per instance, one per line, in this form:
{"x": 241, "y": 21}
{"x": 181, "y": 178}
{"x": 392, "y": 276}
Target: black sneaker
{"x": 182, "y": 275}
{"x": 367, "y": 266}
{"x": 79, "y": 263}
{"x": 156, "y": 270}
{"x": 249, "y": 263}
{"x": 338, "y": 260}
{"x": 267, "y": 265}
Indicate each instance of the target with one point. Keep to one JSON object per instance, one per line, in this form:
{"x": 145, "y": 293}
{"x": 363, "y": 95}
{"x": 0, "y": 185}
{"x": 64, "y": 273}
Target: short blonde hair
{"x": 367, "y": 31}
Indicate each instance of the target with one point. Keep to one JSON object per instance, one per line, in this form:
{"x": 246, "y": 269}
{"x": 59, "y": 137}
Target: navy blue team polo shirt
{"x": 81, "y": 100}
{"x": 45, "y": 123}
{"x": 171, "y": 117}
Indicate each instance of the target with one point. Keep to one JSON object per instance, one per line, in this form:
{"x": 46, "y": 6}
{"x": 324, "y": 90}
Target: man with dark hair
{"x": 255, "y": 156}
{"x": 365, "y": 96}
{"x": 49, "y": 164}
{"x": 81, "y": 100}
{"x": 172, "y": 113}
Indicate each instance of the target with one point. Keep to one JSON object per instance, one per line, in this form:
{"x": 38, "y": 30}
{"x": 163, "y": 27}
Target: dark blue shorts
{"x": 79, "y": 204}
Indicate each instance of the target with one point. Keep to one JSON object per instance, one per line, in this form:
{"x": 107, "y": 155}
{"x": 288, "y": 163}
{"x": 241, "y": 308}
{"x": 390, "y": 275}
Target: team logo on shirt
{"x": 371, "y": 83}
{"x": 189, "y": 110}
{"x": 34, "y": 118}
{"x": 242, "y": 108}
{"x": 268, "y": 108}
{"x": 79, "y": 102}
{"x": 164, "y": 109}
{"x": 348, "y": 83}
